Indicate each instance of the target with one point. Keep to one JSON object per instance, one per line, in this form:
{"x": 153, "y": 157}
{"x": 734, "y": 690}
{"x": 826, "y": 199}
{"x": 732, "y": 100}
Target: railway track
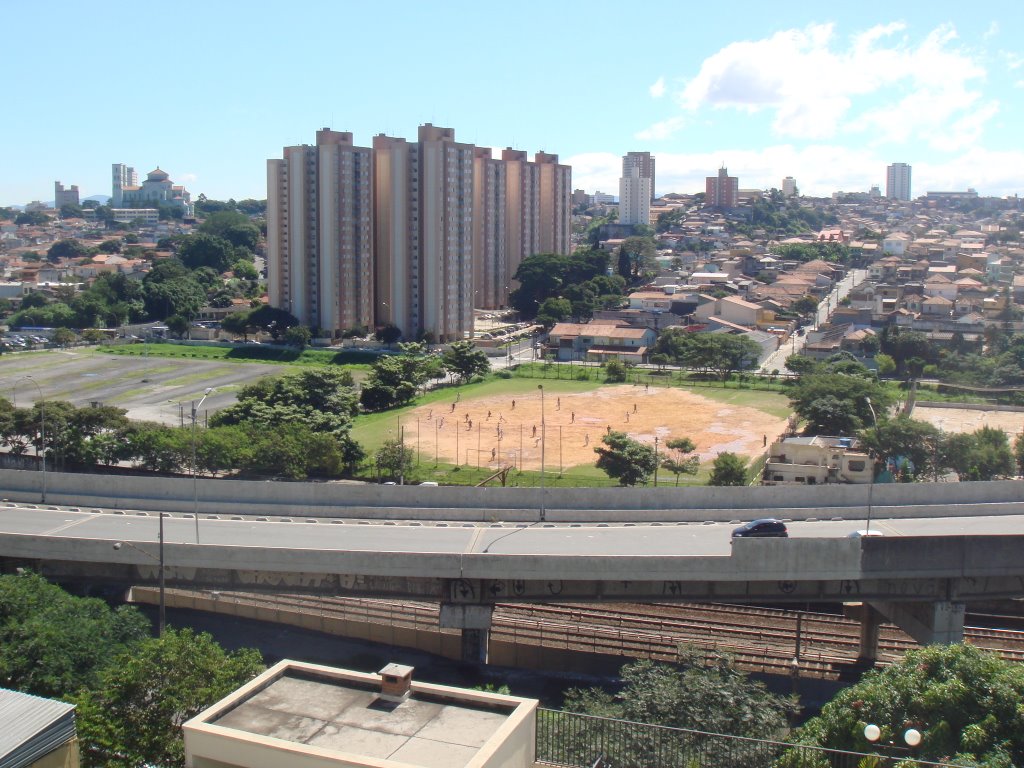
{"x": 770, "y": 640}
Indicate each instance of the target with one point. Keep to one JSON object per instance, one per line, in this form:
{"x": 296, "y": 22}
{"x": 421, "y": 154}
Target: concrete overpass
{"x": 921, "y": 574}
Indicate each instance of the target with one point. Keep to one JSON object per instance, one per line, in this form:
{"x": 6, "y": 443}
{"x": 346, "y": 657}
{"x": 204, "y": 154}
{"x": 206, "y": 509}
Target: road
{"x": 542, "y": 539}
{"x": 777, "y": 360}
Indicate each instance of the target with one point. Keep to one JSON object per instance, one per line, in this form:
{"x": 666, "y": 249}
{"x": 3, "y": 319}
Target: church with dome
{"x": 155, "y": 192}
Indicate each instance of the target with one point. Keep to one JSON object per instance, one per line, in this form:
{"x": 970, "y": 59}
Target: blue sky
{"x": 827, "y": 93}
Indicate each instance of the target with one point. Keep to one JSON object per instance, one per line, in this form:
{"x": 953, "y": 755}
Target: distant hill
{"x": 101, "y": 199}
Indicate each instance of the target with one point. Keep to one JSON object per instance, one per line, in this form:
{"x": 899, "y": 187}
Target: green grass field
{"x": 247, "y": 354}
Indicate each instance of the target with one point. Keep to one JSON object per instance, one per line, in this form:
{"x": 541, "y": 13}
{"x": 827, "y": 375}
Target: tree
{"x": 964, "y": 701}
{"x": 234, "y": 227}
{"x": 885, "y": 364}
{"x": 830, "y": 401}
{"x": 64, "y": 336}
{"x": 728, "y": 469}
{"x": 51, "y": 643}
{"x": 625, "y": 459}
{"x": 680, "y": 461}
{"x": 1018, "y": 453}
{"x": 237, "y": 323}
{"x": 907, "y": 437}
{"x": 31, "y": 219}
{"x": 133, "y": 716}
{"x": 639, "y": 252}
{"x": 704, "y": 689}
{"x": 110, "y": 246}
{"x": 388, "y": 334}
{"x": 553, "y": 310}
{"x": 394, "y": 459}
{"x": 980, "y": 455}
{"x": 178, "y": 325}
{"x": 67, "y": 249}
{"x": 615, "y": 371}
{"x": 463, "y": 359}
{"x": 297, "y": 336}
{"x": 272, "y": 320}
{"x": 205, "y": 250}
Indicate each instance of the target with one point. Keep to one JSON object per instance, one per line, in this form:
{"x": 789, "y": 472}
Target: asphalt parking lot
{"x": 149, "y": 388}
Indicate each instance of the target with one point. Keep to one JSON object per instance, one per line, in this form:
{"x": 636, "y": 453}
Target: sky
{"x": 829, "y": 93}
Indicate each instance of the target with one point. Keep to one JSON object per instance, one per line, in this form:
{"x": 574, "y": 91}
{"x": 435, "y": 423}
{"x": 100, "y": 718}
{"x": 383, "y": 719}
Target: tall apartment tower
{"x": 634, "y": 198}
{"x": 642, "y": 160}
{"x": 491, "y": 276}
{"x": 897, "y": 181}
{"x": 423, "y": 198}
{"x": 320, "y": 233}
{"x": 555, "y": 214}
{"x": 789, "y": 186}
{"x": 62, "y": 197}
{"x": 122, "y": 177}
{"x": 722, "y": 191}
{"x": 413, "y": 234}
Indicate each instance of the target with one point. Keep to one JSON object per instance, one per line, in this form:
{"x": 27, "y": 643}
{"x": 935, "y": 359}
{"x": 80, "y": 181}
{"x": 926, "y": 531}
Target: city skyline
{"x": 830, "y": 96}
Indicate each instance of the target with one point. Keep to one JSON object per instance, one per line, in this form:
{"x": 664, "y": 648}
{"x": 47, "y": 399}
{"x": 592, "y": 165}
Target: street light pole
{"x": 871, "y": 487}
{"x": 162, "y": 614}
{"x": 41, "y": 452}
{"x": 543, "y": 446}
{"x": 195, "y": 481}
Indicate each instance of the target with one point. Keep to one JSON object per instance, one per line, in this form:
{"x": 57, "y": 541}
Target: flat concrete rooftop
{"x": 345, "y": 716}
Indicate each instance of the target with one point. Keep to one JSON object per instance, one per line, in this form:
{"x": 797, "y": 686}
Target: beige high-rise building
{"x": 642, "y": 161}
{"x": 424, "y": 240}
{"x": 413, "y": 234}
{"x": 320, "y": 233}
{"x": 491, "y": 276}
{"x": 555, "y": 213}
{"x": 634, "y": 198}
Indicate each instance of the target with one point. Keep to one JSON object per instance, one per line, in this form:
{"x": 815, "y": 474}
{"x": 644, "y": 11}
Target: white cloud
{"x": 188, "y": 178}
{"x": 657, "y": 88}
{"x": 663, "y": 129}
{"x": 817, "y": 85}
{"x": 992, "y": 31}
{"x": 819, "y": 169}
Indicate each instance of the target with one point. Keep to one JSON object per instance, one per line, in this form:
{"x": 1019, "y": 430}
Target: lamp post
{"x": 871, "y": 486}
{"x": 162, "y": 615}
{"x": 195, "y": 481}
{"x": 911, "y": 737}
{"x": 41, "y": 450}
{"x": 656, "y": 462}
{"x": 543, "y": 445}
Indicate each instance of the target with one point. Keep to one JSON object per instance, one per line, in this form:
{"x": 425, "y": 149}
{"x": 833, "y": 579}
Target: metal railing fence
{"x": 575, "y": 741}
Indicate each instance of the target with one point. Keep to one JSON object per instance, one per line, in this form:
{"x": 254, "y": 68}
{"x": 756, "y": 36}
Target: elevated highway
{"x": 929, "y": 564}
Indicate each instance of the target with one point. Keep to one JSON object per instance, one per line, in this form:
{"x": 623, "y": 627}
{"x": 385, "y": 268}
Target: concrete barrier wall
{"x": 969, "y": 406}
{"x": 446, "y": 643}
{"x": 338, "y": 500}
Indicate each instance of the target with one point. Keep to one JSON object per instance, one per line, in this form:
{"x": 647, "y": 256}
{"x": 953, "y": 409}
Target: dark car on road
{"x": 767, "y": 527}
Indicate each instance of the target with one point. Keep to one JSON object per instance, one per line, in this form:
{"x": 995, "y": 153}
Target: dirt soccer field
{"x": 495, "y": 431}
{"x": 967, "y": 419}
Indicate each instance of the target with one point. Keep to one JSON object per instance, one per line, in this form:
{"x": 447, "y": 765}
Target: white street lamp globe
{"x": 872, "y": 732}
{"x": 912, "y": 737}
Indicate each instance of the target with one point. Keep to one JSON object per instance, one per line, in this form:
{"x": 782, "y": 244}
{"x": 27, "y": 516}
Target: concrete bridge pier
{"x": 870, "y": 620}
{"x": 940, "y": 622}
{"x": 475, "y": 623}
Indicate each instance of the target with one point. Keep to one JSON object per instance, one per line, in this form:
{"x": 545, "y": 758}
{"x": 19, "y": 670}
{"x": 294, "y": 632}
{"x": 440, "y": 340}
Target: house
{"x": 896, "y": 243}
{"x": 600, "y": 342}
{"x": 735, "y": 310}
{"x": 816, "y": 460}
{"x": 36, "y": 732}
